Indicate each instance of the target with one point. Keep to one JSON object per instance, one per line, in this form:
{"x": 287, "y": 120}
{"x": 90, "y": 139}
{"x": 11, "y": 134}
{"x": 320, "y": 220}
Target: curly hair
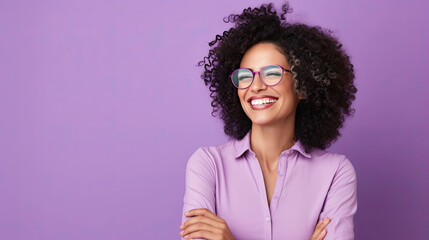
{"x": 322, "y": 73}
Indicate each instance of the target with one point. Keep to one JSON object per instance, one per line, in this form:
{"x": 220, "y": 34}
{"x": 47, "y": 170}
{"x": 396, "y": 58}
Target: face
{"x": 281, "y": 100}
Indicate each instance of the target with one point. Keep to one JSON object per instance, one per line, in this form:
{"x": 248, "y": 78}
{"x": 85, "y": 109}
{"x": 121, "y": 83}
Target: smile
{"x": 263, "y": 101}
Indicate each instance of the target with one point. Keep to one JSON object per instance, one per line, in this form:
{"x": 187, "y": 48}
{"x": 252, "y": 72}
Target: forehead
{"x": 261, "y": 55}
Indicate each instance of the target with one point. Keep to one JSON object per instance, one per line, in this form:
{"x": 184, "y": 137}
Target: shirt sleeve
{"x": 341, "y": 203}
{"x": 200, "y": 183}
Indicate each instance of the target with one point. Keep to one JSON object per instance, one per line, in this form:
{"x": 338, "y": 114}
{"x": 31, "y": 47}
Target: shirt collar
{"x": 243, "y": 145}
{"x": 300, "y": 148}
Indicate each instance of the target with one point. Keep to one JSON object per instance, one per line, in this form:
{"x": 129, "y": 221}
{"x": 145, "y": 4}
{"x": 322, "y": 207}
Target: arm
{"x": 200, "y": 183}
{"x": 341, "y": 203}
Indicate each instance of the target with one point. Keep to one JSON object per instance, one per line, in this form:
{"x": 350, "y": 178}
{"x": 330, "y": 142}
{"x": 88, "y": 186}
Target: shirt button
{"x": 267, "y": 219}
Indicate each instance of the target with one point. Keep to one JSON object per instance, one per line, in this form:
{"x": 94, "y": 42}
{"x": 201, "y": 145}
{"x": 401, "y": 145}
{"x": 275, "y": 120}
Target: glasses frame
{"x": 259, "y": 72}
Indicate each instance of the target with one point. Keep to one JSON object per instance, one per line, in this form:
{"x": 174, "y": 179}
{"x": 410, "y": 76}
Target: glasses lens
{"x": 272, "y": 74}
{"x": 242, "y": 78}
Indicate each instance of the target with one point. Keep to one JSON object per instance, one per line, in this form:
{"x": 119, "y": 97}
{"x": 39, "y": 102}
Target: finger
{"x": 204, "y": 212}
{"x": 323, "y": 223}
{"x": 202, "y": 220}
{"x": 318, "y": 224}
{"x": 200, "y": 226}
{"x": 322, "y": 234}
{"x": 321, "y": 226}
{"x": 201, "y": 234}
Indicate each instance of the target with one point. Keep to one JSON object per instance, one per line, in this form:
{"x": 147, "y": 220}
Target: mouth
{"x": 262, "y": 102}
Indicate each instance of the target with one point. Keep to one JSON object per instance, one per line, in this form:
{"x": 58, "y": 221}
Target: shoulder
{"x": 211, "y": 156}
{"x": 338, "y": 164}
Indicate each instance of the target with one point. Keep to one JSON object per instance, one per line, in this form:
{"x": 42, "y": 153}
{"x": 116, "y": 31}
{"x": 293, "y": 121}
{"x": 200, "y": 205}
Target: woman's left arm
{"x": 341, "y": 203}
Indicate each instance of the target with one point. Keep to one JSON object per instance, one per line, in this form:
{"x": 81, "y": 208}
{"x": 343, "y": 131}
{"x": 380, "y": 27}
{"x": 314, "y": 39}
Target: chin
{"x": 262, "y": 120}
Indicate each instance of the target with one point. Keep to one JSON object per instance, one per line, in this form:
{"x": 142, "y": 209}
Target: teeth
{"x": 262, "y": 101}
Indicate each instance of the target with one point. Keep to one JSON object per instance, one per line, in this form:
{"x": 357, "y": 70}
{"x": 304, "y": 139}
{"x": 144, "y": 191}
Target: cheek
{"x": 241, "y": 95}
{"x": 288, "y": 91}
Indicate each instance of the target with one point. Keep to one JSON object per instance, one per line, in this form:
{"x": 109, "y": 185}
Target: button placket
{"x": 260, "y": 184}
{"x": 281, "y": 166}
{"x": 280, "y": 175}
{"x": 281, "y": 171}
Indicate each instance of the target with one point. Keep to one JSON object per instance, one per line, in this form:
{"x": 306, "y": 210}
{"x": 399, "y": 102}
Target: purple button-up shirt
{"x": 228, "y": 181}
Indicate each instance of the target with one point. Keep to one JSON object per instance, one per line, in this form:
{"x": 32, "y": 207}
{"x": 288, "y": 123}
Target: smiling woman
{"x": 278, "y": 98}
{"x": 283, "y": 91}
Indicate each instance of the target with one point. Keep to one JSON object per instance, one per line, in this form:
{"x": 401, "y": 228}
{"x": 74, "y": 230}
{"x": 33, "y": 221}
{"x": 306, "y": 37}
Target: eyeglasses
{"x": 270, "y": 75}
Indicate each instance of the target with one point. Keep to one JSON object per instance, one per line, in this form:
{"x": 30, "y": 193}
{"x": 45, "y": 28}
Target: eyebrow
{"x": 265, "y": 66}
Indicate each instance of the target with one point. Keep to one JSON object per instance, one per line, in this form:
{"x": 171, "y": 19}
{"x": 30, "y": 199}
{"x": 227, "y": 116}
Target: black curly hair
{"x": 322, "y": 73}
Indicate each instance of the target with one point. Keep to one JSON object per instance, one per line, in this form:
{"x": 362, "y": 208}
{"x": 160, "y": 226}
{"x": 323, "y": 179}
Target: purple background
{"x": 101, "y": 106}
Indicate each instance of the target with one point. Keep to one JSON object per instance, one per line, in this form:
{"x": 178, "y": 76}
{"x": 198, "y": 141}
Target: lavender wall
{"x": 94, "y": 140}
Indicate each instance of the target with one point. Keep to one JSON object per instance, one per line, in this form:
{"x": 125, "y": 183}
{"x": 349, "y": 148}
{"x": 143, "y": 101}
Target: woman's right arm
{"x": 200, "y": 184}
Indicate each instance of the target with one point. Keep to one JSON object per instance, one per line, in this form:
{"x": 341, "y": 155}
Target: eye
{"x": 245, "y": 77}
{"x": 273, "y": 74}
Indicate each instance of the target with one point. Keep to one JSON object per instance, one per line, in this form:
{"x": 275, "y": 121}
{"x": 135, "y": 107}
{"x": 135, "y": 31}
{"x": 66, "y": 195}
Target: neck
{"x": 269, "y": 141}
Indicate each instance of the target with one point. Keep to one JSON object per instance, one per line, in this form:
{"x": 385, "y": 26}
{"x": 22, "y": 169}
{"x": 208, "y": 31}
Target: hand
{"x": 205, "y": 224}
{"x": 319, "y": 230}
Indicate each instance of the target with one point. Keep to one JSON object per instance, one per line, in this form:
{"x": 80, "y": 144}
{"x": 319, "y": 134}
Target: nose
{"x": 257, "y": 84}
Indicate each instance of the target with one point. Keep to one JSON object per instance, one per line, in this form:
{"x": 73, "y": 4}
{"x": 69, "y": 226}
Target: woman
{"x": 283, "y": 91}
